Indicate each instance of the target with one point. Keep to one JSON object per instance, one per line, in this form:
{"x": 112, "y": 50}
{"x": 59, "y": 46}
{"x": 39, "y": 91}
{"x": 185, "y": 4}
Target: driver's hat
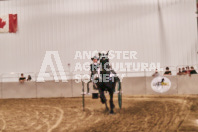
{"x": 95, "y": 57}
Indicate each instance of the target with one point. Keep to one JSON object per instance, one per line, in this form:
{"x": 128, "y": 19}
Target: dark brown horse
{"x": 105, "y": 82}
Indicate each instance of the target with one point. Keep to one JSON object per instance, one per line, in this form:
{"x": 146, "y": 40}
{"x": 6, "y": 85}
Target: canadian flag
{"x": 8, "y": 23}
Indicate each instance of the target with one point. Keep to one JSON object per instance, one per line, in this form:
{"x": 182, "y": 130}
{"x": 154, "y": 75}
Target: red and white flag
{"x": 8, "y": 23}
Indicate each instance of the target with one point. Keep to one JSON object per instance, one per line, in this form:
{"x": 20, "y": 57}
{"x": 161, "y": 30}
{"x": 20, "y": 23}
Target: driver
{"x": 94, "y": 69}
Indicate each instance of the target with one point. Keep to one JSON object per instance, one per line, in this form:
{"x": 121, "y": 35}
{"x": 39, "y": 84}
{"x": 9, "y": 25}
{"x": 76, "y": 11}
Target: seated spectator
{"x": 156, "y": 73}
{"x": 167, "y": 72}
{"x": 192, "y": 70}
{"x": 29, "y": 78}
{"x": 184, "y": 72}
{"x": 179, "y": 72}
{"x": 188, "y": 70}
{"x": 22, "y": 78}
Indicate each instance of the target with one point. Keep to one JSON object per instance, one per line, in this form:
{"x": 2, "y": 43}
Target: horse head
{"x": 104, "y": 61}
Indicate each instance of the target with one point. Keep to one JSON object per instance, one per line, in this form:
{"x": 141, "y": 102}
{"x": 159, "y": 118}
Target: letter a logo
{"x": 48, "y": 62}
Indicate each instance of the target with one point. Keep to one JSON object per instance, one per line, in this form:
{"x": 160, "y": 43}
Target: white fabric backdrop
{"x": 167, "y": 34}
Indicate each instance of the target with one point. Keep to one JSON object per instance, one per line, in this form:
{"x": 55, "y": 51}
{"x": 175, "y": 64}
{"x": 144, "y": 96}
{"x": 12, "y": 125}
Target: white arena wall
{"x": 166, "y": 33}
{"x": 180, "y": 85}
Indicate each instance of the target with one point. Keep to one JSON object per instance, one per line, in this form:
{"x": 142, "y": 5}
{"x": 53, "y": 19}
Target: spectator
{"x": 29, "y": 78}
{"x": 167, "y": 72}
{"x": 188, "y": 70}
{"x": 179, "y": 72}
{"x": 22, "y": 78}
{"x": 184, "y": 71}
{"x": 156, "y": 73}
{"x": 192, "y": 71}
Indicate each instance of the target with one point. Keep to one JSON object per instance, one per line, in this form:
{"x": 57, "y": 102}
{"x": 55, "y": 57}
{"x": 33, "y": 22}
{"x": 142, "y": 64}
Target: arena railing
{"x": 58, "y": 89}
{"x": 71, "y": 74}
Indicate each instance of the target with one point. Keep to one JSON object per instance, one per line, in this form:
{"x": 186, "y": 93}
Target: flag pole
{"x": 197, "y": 21}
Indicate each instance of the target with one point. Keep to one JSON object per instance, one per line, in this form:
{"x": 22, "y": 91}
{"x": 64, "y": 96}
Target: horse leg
{"x": 103, "y": 98}
{"x": 107, "y": 108}
{"x": 112, "y": 106}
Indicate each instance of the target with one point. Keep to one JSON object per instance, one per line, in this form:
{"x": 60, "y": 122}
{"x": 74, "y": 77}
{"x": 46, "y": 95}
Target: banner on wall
{"x": 8, "y": 23}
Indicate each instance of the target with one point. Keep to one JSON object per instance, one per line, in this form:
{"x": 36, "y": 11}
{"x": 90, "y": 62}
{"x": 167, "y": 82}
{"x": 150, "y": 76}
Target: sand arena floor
{"x": 139, "y": 113}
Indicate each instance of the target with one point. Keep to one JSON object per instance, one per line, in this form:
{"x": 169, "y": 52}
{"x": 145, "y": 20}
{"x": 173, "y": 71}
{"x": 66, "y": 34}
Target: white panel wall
{"x": 167, "y": 35}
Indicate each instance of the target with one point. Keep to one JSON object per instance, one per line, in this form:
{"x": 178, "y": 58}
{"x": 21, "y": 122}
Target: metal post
{"x": 36, "y": 85}
{"x": 126, "y": 72}
{"x": 1, "y": 86}
{"x": 145, "y": 81}
{"x": 71, "y": 78}
{"x": 144, "y": 72}
{"x": 197, "y": 24}
{"x": 83, "y": 96}
{"x": 71, "y": 83}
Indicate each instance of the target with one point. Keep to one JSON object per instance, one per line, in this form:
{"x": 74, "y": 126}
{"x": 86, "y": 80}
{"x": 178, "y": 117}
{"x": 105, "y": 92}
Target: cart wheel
{"x": 119, "y": 95}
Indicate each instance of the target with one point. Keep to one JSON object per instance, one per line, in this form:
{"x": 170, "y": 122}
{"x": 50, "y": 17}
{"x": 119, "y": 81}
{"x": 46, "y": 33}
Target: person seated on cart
{"x": 94, "y": 69}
